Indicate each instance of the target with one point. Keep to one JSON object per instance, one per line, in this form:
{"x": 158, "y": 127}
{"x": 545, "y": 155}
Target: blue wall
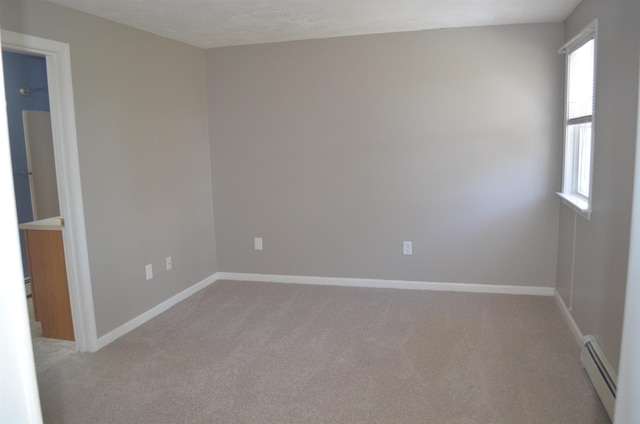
{"x": 22, "y": 70}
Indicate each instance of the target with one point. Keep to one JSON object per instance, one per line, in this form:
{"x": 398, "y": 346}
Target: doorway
{"x": 58, "y": 67}
{"x": 36, "y": 191}
{"x": 25, "y": 79}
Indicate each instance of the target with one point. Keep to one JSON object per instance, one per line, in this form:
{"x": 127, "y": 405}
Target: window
{"x": 579, "y": 112}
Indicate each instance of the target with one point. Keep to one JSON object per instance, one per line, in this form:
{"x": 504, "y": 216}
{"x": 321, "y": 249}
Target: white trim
{"x": 581, "y": 205}
{"x": 627, "y": 405}
{"x": 19, "y": 398}
{"x": 321, "y": 281}
{"x": 567, "y": 315}
{"x": 584, "y": 35}
{"x": 573, "y": 261}
{"x": 154, "y": 312}
{"x": 389, "y": 284}
{"x": 578, "y": 204}
{"x": 65, "y": 142}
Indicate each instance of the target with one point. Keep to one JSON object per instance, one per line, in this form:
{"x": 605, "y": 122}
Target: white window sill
{"x": 576, "y": 203}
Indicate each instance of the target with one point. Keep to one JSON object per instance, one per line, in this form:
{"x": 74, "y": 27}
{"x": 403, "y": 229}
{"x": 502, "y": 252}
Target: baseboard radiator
{"x": 600, "y": 372}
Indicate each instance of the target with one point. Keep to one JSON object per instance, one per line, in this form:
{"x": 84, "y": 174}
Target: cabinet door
{"x": 49, "y": 283}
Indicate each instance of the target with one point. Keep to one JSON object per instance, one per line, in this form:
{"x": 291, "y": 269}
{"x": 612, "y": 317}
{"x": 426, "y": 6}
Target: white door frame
{"x": 65, "y": 145}
{"x": 627, "y": 407}
{"x": 19, "y": 399}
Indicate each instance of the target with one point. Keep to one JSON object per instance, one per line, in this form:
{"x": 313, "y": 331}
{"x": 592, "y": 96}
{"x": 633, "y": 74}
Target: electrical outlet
{"x": 257, "y": 243}
{"x": 167, "y": 261}
{"x": 407, "y": 248}
{"x": 149, "y": 271}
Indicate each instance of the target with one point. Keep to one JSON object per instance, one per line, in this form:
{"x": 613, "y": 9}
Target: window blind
{"x": 580, "y": 92}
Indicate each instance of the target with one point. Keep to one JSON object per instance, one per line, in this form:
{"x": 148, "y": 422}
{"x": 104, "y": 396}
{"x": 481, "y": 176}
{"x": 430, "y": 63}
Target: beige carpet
{"x": 46, "y": 352}
{"x": 241, "y": 352}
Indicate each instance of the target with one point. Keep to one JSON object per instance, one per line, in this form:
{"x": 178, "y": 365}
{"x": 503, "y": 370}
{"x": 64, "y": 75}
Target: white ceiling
{"x": 217, "y": 23}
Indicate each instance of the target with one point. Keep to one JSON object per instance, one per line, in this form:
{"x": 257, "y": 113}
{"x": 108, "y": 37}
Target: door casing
{"x": 65, "y": 147}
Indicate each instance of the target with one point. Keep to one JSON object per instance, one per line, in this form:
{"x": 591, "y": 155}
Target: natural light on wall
{"x": 579, "y": 112}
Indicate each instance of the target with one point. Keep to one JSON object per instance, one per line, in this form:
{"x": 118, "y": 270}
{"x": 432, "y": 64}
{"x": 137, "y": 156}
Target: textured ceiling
{"x": 216, "y": 23}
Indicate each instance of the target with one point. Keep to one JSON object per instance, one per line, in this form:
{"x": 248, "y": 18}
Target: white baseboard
{"x": 323, "y": 281}
{"x": 389, "y": 284}
{"x": 567, "y": 315}
{"x": 154, "y": 312}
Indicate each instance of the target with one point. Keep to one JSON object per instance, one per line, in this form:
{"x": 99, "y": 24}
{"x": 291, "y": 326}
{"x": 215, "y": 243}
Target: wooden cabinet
{"x": 49, "y": 285}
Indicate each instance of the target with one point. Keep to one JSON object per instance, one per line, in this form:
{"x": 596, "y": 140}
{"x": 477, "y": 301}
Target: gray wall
{"x": 602, "y": 244}
{"x": 335, "y": 151}
{"x": 141, "y": 117}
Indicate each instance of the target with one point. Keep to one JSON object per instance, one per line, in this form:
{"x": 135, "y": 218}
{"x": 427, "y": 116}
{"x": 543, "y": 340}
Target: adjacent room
{"x": 324, "y": 212}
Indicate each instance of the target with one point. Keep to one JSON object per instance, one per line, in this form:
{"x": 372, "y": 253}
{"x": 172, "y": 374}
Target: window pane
{"x": 580, "y": 137}
{"x": 580, "y": 93}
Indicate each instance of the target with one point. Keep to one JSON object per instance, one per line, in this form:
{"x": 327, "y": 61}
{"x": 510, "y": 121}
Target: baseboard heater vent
{"x": 600, "y": 372}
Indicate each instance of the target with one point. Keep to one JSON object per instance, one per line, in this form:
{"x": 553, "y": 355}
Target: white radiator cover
{"x": 601, "y": 373}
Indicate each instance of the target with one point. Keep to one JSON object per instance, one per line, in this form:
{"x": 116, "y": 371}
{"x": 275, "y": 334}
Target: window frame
{"x": 570, "y": 170}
